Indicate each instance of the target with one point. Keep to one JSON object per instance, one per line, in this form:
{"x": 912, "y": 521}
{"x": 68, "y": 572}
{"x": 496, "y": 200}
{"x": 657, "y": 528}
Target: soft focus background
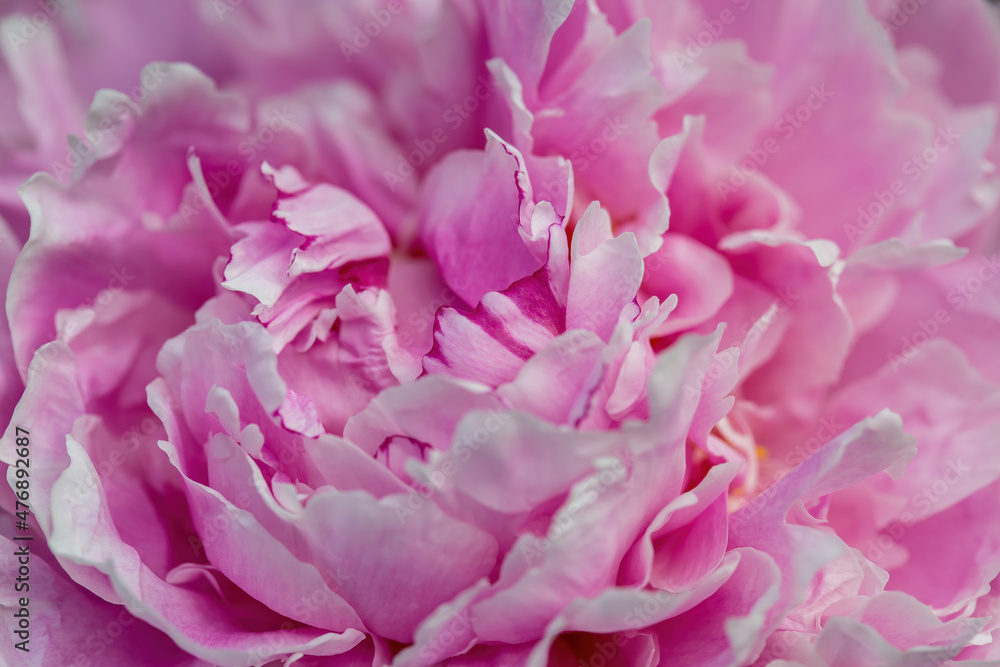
{"x": 502, "y": 332}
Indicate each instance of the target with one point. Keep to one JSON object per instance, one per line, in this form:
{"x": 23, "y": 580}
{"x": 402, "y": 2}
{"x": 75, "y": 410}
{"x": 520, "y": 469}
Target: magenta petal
{"x": 471, "y": 226}
{"x": 507, "y": 328}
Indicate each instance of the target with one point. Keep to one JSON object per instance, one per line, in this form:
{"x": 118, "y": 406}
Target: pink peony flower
{"x": 456, "y": 333}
